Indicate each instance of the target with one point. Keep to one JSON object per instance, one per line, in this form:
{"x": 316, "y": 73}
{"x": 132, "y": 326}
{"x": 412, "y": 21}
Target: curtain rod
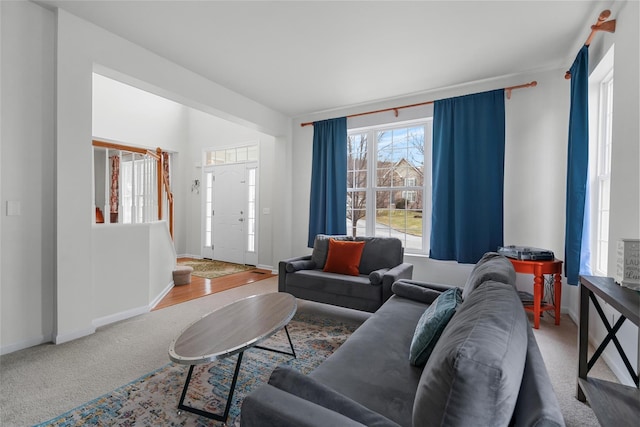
{"x": 601, "y": 25}
{"x": 395, "y": 109}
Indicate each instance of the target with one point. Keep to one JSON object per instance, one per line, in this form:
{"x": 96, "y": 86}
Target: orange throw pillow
{"x": 344, "y": 257}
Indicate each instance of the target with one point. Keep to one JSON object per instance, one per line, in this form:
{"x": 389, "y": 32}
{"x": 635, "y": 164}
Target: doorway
{"x": 230, "y": 206}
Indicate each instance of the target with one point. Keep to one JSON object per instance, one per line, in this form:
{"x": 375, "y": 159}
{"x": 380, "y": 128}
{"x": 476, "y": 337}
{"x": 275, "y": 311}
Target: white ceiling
{"x": 301, "y": 57}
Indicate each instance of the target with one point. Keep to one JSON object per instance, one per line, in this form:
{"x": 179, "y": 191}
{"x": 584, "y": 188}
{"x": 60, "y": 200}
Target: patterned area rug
{"x": 210, "y": 269}
{"x": 153, "y": 399}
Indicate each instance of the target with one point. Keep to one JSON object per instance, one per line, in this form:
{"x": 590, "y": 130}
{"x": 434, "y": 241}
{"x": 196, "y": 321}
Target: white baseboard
{"x": 164, "y": 293}
{"x": 106, "y": 320}
{"x": 62, "y": 338}
{"x": 24, "y": 344}
{"x": 189, "y": 256}
{"x": 267, "y": 267}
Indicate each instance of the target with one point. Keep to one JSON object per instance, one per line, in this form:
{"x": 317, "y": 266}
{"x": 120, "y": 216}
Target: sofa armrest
{"x": 268, "y": 406}
{"x": 282, "y": 270}
{"x": 401, "y": 271}
{"x": 307, "y": 388}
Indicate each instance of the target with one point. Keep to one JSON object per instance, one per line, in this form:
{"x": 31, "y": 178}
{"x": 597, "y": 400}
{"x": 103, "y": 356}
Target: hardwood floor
{"x": 200, "y": 286}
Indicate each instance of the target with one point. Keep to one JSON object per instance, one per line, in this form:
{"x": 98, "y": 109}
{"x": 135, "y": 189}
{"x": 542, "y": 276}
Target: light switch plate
{"x": 13, "y": 208}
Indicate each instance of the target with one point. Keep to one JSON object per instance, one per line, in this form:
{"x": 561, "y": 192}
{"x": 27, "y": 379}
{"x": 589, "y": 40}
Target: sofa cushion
{"x": 537, "y": 405}
{"x": 339, "y": 284}
{"x": 380, "y": 252}
{"x": 294, "y": 382}
{"x": 474, "y": 373}
{"x": 431, "y": 325}
{"x": 492, "y": 266}
{"x": 371, "y": 366}
{"x": 344, "y": 257}
{"x": 376, "y": 276}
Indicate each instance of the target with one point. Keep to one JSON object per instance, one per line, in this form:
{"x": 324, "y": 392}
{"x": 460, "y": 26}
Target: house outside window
{"x": 389, "y": 183}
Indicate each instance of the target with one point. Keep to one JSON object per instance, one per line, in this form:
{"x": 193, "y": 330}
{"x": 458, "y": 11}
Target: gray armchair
{"x": 380, "y": 266}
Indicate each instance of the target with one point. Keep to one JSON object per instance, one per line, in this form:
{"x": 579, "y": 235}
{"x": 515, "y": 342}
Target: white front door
{"x": 229, "y": 213}
{"x": 226, "y": 201}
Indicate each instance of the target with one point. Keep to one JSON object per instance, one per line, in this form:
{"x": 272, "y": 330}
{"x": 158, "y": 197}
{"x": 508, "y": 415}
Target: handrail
{"x": 121, "y": 147}
{"x": 152, "y": 154}
{"x": 170, "y": 197}
{"x": 163, "y": 182}
{"x": 162, "y": 179}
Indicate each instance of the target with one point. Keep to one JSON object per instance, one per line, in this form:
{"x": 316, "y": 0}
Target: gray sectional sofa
{"x": 380, "y": 266}
{"x": 485, "y": 369}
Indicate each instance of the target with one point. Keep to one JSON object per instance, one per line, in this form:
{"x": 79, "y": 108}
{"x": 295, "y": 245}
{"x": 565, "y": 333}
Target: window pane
{"x": 241, "y": 154}
{"x": 385, "y": 176}
{"x": 357, "y": 161}
{"x": 230, "y": 155}
{"x": 252, "y": 153}
{"x": 397, "y": 183}
{"x": 356, "y": 204}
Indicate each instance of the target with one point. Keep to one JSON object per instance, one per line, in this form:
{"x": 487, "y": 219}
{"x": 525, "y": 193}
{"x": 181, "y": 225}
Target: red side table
{"x": 539, "y": 269}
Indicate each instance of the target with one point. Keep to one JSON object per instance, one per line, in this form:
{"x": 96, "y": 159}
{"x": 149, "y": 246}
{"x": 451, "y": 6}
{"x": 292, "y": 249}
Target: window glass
{"x": 390, "y": 201}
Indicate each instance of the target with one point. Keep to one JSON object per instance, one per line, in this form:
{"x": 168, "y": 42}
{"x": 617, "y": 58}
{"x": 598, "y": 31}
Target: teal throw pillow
{"x": 431, "y": 324}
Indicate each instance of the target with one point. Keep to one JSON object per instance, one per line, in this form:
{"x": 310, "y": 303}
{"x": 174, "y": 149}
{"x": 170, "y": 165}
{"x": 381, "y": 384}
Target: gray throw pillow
{"x": 431, "y": 324}
{"x": 474, "y": 373}
{"x": 321, "y": 248}
{"x": 492, "y": 266}
{"x": 375, "y": 277}
{"x": 419, "y": 291}
{"x": 304, "y": 264}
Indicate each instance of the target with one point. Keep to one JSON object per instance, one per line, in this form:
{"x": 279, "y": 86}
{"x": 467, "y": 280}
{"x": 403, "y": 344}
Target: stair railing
{"x": 163, "y": 186}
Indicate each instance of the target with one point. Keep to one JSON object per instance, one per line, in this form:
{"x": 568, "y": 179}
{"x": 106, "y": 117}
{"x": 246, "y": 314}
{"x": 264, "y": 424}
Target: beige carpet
{"x": 210, "y": 269}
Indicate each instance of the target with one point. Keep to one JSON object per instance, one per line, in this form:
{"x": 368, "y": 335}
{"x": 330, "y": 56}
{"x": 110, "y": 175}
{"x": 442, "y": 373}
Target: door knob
{"x": 241, "y": 219}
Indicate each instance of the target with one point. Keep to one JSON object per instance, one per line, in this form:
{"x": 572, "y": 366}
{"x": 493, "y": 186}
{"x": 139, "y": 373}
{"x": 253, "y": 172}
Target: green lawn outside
{"x": 401, "y": 220}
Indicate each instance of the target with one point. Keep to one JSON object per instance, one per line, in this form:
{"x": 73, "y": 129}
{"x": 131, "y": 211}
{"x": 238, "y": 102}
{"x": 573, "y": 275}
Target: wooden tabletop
{"x": 233, "y": 328}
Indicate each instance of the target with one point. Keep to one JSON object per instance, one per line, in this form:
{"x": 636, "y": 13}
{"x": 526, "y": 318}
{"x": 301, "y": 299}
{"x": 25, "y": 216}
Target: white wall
{"x": 209, "y": 132}
{"x": 625, "y": 156}
{"x": 132, "y": 116}
{"x": 128, "y": 115}
{"x": 132, "y": 269}
{"x": 52, "y": 237}
{"x": 120, "y": 280}
{"x": 27, "y": 175}
{"x": 535, "y": 162}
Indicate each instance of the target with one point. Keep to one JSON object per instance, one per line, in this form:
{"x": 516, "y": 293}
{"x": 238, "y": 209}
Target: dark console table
{"x": 614, "y": 404}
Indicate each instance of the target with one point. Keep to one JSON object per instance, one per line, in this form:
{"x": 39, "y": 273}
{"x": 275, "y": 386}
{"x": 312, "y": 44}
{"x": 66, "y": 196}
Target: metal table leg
{"x": 207, "y": 414}
{"x": 293, "y": 352}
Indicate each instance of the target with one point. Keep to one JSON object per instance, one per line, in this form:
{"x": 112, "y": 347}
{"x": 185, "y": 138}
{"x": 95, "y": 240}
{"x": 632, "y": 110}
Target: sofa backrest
{"x": 474, "y": 374}
{"x": 378, "y": 252}
{"x": 492, "y": 266}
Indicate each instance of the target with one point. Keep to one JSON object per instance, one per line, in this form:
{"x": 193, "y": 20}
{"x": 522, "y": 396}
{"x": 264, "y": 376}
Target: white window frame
{"x": 601, "y": 115}
{"x": 138, "y": 191}
{"x": 371, "y": 187}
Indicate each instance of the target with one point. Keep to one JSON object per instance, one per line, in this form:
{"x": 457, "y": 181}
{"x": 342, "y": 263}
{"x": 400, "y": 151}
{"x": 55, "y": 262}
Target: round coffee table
{"x": 231, "y": 330}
